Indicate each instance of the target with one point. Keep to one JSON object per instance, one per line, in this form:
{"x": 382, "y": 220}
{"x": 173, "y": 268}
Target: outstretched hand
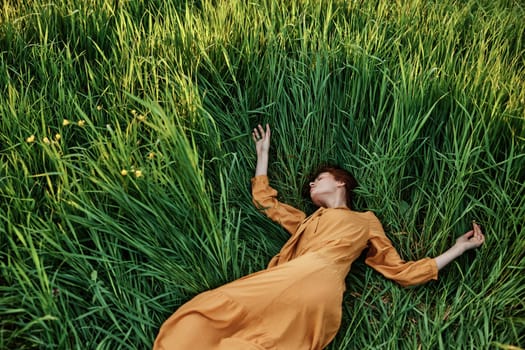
{"x": 472, "y": 239}
{"x": 261, "y": 138}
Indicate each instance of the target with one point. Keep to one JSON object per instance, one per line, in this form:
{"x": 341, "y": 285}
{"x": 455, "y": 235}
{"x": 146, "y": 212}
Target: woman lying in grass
{"x": 296, "y": 302}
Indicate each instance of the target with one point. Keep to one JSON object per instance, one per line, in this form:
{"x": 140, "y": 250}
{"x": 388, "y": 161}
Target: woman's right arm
{"x": 264, "y": 196}
{"x": 262, "y": 146}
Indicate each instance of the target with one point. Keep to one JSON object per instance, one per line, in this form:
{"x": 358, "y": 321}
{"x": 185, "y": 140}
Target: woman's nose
{"x": 311, "y": 184}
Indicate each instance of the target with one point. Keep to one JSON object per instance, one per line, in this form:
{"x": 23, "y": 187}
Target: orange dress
{"x": 295, "y": 303}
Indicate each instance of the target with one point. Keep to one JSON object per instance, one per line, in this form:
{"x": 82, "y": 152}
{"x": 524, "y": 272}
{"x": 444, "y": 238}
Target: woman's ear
{"x": 340, "y": 184}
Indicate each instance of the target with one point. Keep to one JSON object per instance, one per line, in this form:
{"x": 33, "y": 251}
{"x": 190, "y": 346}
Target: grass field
{"x": 126, "y": 158}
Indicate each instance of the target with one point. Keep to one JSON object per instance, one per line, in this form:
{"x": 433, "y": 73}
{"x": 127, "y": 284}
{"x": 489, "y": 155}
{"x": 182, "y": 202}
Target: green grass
{"x": 424, "y": 101}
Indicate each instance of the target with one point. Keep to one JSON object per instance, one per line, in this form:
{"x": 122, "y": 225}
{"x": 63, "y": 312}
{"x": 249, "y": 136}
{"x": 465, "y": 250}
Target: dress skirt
{"x": 295, "y": 305}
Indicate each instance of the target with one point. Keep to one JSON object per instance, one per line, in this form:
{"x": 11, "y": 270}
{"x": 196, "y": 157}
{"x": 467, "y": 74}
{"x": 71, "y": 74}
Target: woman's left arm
{"x": 470, "y": 240}
{"x": 383, "y": 257}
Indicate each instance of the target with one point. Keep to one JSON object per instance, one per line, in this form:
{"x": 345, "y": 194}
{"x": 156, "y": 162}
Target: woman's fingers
{"x": 473, "y": 238}
{"x": 260, "y": 134}
{"x": 256, "y": 135}
{"x": 478, "y": 235}
{"x": 263, "y": 134}
{"x": 469, "y": 234}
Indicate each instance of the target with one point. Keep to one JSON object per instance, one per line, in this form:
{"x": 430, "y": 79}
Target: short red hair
{"x": 339, "y": 174}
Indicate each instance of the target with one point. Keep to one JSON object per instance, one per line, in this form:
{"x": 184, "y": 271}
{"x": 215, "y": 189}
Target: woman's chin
{"x": 316, "y": 202}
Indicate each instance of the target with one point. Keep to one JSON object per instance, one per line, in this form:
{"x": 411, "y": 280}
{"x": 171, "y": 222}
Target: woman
{"x": 296, "y": 302}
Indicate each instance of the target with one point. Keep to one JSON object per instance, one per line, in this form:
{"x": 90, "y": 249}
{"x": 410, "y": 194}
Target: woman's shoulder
{"x": 367, "y": 217}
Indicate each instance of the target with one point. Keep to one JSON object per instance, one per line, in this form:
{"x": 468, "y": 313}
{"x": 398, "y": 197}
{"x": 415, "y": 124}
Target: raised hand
{"x": 261, "y": 138}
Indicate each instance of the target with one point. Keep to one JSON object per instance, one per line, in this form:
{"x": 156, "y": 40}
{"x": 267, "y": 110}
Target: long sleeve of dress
{"x": 265, "y": 199}
{"x": 383, "y": 257}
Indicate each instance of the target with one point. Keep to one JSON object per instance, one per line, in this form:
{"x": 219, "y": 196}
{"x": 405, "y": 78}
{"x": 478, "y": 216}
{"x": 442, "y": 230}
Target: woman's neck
{"x": 335, "y": 202}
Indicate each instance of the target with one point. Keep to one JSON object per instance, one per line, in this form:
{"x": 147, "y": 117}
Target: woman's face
{"x": 323, "y": 186}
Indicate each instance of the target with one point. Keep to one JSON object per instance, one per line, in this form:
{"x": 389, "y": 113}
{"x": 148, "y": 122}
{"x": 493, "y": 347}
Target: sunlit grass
{"x": 126, "y": 159}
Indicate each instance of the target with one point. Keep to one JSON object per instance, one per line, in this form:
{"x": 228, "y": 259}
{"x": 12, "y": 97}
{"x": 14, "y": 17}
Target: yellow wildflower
{"x": 141, "y": 117}
{"x": 30, "y": 139}
{"x": 133, "y": 112}
{"x": 123, "y": 172}
{"x": 138, "y": 173}
{"x": 57, "y": 137}
{"x": 151, "y": 155}
{"x": 99, "y": 108}
{"x": 46, "y": 141}
{"x": 81, "y": 123}
{"x": 65, "y": 122}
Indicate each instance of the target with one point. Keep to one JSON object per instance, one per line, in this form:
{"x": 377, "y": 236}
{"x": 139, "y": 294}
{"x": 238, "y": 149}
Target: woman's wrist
{"x": 262, "y": 154}
{"x": 450, "y": 255}
{"x": 262, "y": 164}
{"x": 458, "y": 249}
